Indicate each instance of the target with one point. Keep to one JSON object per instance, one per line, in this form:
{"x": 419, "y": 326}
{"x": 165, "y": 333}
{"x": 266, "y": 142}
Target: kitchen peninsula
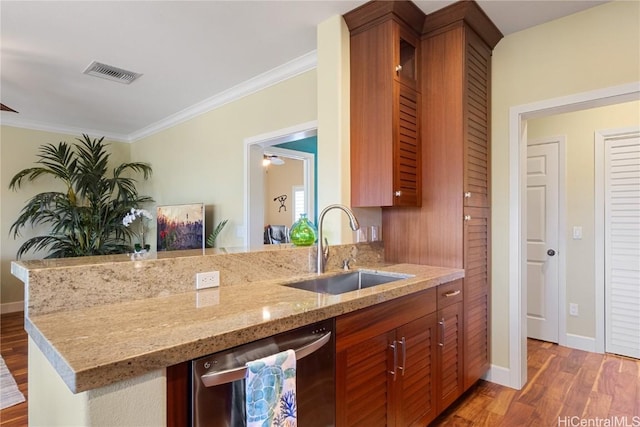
{"x": 104, "y": 330}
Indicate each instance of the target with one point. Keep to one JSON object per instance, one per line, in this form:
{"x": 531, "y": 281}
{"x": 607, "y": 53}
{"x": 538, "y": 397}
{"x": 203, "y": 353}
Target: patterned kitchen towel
{"x": 271, "y": 391}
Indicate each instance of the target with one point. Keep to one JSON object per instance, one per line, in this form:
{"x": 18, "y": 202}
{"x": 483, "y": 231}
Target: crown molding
{"x": 274, "y": 76}
{"x": 67, "y": 130}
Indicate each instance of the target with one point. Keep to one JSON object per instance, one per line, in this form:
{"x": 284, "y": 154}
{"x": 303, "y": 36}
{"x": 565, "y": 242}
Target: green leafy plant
{"x": 211, "y": 240}
{"x": 87, "y": 218}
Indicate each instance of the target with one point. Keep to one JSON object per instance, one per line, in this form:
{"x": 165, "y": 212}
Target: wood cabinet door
{"x": 364, "y": 382}
{"x": 477, "y": 112}
{"x": 416, "y": 390}
{"x": 406, "y": 46}
{"x": 407, "y": 153}
{"x": 450, "y": 343}
{"x": 476, "y": 293}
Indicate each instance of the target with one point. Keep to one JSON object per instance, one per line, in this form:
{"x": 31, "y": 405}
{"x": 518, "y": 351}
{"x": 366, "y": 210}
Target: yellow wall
{"x": 594, "y": 49}
{"x": 578, "y": 129}
{"x": 202, "y": 160}
{"x": 280, "y": 180}
{"x": 18, "y": 149}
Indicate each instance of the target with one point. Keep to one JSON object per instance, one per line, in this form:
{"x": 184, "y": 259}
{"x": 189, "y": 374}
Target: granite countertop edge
{"x": 89, "y": 350}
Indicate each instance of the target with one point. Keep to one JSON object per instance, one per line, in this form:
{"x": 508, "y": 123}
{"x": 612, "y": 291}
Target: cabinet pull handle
{"x": 398, "y": 68}
{"x": 452, "y": 293}
{"x": 467, "y": 194}
{"x": 395, "y": 358}
{"x": 467, "y": 217}
{"x": 441, "y": 323}
{"x": 403, "y": 343}
{"x": 398, "y": 193}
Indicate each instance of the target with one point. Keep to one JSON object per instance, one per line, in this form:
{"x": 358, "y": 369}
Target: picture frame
{"x": 180, "y": 227}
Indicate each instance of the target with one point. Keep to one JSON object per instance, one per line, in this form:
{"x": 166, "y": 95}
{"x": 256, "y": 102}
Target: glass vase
{"x": 303, "y": 232}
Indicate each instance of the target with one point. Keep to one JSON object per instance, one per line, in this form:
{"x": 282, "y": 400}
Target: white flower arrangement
{"x": 135, "y": 213}
{"x": 130, "y": 217}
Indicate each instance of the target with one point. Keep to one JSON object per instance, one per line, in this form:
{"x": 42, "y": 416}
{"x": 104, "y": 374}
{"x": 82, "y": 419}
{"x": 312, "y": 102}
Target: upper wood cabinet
{"x": 385, "y": 104}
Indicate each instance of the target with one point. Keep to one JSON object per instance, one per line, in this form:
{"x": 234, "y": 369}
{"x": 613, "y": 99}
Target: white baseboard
{"x": 580, "y": 342}
{"x": 11, "y": 307}
{"x": 499, "y": 375}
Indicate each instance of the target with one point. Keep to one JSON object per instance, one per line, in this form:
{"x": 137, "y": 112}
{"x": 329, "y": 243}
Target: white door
{"x": 542, "y": 242}
{"x": 622, "y": 245}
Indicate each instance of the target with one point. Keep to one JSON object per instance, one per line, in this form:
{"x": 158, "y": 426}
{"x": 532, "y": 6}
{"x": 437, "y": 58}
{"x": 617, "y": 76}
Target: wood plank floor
{"x": 565, "y": 387}
{"x": 13, "y": 347}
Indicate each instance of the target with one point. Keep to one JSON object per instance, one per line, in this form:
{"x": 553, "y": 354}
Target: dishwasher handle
{"x": 235, "y": 374}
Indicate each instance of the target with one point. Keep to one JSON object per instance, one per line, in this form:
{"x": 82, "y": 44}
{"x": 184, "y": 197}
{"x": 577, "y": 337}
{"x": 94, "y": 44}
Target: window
{"x": 298, "y": 202}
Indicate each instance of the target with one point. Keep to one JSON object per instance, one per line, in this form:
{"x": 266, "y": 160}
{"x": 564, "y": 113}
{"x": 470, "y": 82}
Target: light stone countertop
{"x": 100, "y": 345}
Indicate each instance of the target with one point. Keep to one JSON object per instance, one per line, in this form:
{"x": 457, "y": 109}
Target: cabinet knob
{"x": 467, "y": 194}
{"x": 398, "y": 193}
{"x": 398, "y": 68}
{"x": 467, "y": 217}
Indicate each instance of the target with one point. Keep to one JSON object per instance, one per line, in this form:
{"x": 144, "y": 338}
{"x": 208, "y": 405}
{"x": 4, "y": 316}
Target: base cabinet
{"x": 400, "y": 363}
{"x": 450, "y": 366}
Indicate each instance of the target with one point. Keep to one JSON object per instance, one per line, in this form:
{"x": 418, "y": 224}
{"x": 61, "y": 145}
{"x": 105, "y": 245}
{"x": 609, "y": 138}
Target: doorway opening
{"x": 273, "y": 144}
{"x": 518, "y": 116}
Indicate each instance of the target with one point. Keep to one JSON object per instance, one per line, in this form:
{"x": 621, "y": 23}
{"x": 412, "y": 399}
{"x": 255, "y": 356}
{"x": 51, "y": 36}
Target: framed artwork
{"x": 180, "y": 227}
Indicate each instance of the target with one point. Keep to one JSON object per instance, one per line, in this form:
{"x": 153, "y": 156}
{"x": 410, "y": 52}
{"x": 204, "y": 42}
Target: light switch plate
{"x": 577, "y": 232}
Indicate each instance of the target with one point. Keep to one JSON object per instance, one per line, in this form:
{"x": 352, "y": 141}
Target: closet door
{"x": 622, "y": 245}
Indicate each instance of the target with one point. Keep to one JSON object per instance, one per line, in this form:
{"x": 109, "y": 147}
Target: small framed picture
{"x": 180, "y": 227}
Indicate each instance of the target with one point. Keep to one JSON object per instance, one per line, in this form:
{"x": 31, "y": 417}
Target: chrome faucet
{"x": 322, "y": 254}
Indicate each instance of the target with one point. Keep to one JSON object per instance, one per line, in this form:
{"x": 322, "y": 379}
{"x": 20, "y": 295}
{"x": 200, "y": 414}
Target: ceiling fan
{"x": 5, "y": 108}
{"x": 271, "y": 159}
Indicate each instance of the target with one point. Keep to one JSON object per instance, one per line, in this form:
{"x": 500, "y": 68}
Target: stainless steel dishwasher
{"x": 218, "y": 380}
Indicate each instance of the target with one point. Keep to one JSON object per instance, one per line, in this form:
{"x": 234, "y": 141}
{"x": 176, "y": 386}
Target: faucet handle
{"x": 325, "y": 249}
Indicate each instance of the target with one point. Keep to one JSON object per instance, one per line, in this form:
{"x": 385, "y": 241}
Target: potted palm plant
{"x": 87, "y": 218}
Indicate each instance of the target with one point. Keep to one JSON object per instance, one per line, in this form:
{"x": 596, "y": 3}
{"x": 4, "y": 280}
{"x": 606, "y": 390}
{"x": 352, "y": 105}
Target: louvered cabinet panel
{"x": 476, "y": 294}
{"x": 450, "y": 343}
{"x": 417, "y": 382}
{"x": 477, "y": 341}
{"x": 406, "y": 151}
{"x": 362, "y": 376}
{"x": 476, "y": 122}
{"x": 622, "y": 244}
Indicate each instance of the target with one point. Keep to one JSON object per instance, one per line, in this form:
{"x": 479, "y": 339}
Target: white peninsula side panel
{"x": 140, "y": 401}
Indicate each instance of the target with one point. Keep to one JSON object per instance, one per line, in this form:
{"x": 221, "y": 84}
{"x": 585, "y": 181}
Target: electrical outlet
{"x": 209, "y": 279}
{"x": 573, "y": 309}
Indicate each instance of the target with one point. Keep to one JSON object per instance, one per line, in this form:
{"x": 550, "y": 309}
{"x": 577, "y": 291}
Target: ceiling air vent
{"x": 110, "y": 72}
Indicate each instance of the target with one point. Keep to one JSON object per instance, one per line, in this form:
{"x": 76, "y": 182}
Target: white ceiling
{"x": 194, "y": 55}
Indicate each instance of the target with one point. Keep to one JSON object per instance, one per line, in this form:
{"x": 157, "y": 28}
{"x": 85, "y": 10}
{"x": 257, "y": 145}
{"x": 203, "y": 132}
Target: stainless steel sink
{"x": 347, "y": 282}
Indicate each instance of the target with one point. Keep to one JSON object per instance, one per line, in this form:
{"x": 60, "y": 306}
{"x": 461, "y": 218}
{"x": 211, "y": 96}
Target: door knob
{"x": 551, "y": 252}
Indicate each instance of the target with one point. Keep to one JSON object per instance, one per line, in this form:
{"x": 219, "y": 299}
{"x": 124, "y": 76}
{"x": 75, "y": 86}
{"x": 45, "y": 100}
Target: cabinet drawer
{"x": 361, "y": 325}
{"x": 449, "y": 293}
